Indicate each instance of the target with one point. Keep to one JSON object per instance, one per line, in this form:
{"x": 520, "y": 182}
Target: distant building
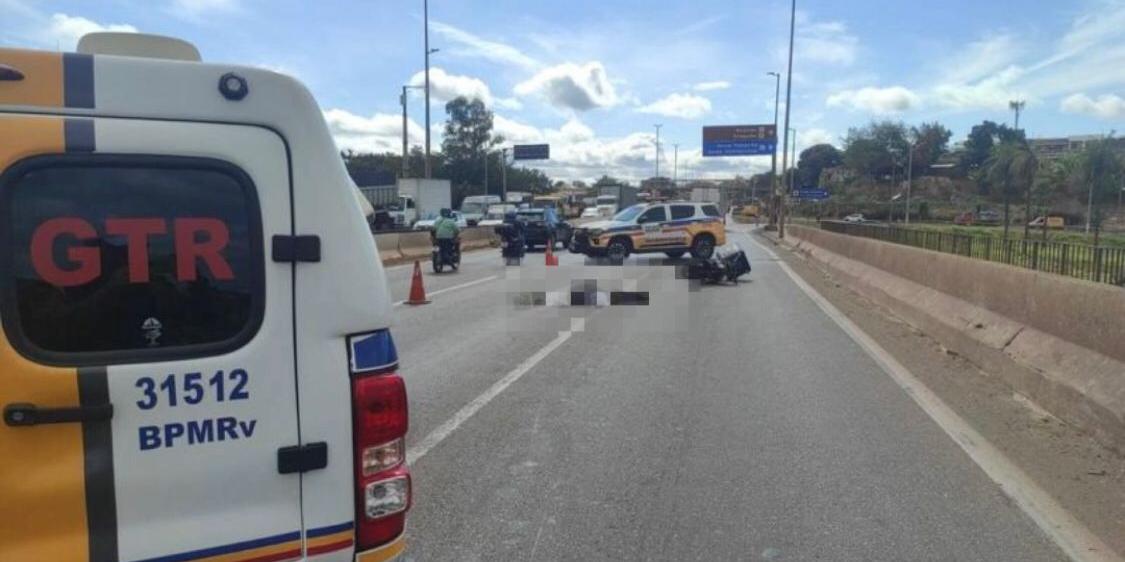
{"x": 1052, "y": 148}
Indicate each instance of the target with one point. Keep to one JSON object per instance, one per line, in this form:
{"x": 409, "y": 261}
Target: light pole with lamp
{"x": 788, "y": 103}
{"x": 773, "y": 157}
{"x": 405, "y": 148}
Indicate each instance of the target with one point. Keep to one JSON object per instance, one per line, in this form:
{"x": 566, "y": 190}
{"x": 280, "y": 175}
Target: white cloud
{"x": 445, "y": 86}
{"x": 684, "y": 106}
{"x": 196, "y": 9}
{"x": 893, "y": 99}
{"x": 992, "y": 93}
{"x": 1108, "y": 106}
{"x": 515, "y": 132}
{"x": 64, "y": 31}
{"x": 824, "y": 42}
{"x": 509, "y": 103}
{"x": 475, "y": 46}
{"x": 382, "y": 132}
{"x": 981, "y": 59}
{"x": 571, "y": 86}
{"x": 709, "y": 86}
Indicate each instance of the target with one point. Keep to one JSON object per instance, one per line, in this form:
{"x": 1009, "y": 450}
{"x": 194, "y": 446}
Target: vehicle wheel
{"x": 437, "y": 264}
{"x": 675, "y": 255}
{"x": 703, "y": 247}
{"x": 618, "y": 249}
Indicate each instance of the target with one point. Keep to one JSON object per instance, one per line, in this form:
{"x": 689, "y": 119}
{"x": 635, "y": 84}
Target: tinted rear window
{"x": 655, "y": 214}
{"x": 711, "y": 211}
{"x": 128, "y": 258}
{"x": 682, "y": 212}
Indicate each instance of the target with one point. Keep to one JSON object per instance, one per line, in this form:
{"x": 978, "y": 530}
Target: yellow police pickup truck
{"x": 674, "y": 228}
{"x": 195, "y": 361}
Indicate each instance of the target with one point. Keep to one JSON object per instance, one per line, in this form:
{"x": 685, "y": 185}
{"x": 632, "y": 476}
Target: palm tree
{"x": 1012, "y": 167}
{"x": 1101, "y": 169}
{"x": 1054, "y": 177}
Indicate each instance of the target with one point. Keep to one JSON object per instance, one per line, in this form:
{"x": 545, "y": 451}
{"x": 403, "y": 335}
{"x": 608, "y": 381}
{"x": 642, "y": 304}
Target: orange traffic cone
{"x": 551, "y": 259}
{"x": 417, "y": 292}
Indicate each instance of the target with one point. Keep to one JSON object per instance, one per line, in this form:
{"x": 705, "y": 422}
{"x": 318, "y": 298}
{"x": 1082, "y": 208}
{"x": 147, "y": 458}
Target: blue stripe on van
{"x": 226, "y": 548}
{"x": 321, "y": 531}
{"x": 374, "y": 351}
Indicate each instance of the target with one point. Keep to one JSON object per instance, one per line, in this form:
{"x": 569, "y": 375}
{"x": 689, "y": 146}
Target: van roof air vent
{"x": 137, "y": 45}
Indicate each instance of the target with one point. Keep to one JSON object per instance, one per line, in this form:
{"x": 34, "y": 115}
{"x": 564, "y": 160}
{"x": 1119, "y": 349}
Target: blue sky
{"x": 592, "y": 77}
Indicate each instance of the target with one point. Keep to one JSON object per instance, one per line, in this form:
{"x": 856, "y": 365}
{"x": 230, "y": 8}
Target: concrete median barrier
{"x": 476, "y": 237}
{"x": 1054, "y": 339}
{"x": 415, "y": 245}
{"x": 388, "y": 247}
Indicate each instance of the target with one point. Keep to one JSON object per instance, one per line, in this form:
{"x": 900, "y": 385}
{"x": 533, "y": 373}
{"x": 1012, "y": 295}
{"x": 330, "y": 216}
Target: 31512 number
{"x": 191, "y": 388}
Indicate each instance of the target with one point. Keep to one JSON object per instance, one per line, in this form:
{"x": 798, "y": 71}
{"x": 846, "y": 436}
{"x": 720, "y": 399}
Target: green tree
{"x": 1012, "y": 168}
{"x": 468, "y": 138}
{"x": 608, "y": 180}
{"x": 876, "y": 149}
{"x": 931, "y": 141}
{"x": 1101, "y": 171}
{"x": 982, "y": 138}
{"x": 813, "y": 160}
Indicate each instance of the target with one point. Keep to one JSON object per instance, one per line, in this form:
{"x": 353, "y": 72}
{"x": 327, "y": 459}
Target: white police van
{"x": 194, "y": 355}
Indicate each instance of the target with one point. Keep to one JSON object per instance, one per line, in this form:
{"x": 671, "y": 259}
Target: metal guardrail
{"x": 1093, "y": 263}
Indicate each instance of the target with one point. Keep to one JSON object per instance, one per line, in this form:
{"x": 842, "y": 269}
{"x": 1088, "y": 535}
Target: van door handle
{"x": 21, "y": 414}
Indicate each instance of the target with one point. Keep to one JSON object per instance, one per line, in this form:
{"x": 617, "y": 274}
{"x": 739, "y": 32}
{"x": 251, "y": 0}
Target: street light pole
{"x": 793, "y": 175}
{"x": 405, "y": 148}
{"x": 675, "y": 163}
{"x": 425, "y": 18}
{"x": 773, "y": 157}
{"x": 657, "y": 174}
{"x": 504, "y": 174}
{"x": 788, "y": 100}
{"x": 909, "y": 178}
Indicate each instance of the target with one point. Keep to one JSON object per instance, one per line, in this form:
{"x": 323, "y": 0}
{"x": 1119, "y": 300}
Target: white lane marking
{"x": 456, "y": 287}
{"x": 438, "y": 435}
{"x": 1073, "y": 538}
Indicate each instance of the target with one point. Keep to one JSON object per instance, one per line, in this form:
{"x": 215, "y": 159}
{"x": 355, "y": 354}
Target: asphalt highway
{"x": 734, "y": 422}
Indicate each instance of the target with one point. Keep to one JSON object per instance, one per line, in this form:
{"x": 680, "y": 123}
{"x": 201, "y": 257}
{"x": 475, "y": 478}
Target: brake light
{"x": 380, "y": 423}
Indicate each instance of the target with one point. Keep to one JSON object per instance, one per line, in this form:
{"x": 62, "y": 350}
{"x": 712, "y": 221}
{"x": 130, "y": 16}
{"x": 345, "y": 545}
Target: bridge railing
{"x": 1100, "y": 264}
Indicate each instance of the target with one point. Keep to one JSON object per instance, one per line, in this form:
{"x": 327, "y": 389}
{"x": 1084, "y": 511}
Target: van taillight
{"x": 381, "y": 476}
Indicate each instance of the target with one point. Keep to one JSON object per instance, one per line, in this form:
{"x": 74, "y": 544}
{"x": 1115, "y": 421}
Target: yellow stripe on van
{"x": 42, "y": 481}
{"x": 384, "y": 553}
{"x": 274, "y": 553}
{"x": 42, "y": 82}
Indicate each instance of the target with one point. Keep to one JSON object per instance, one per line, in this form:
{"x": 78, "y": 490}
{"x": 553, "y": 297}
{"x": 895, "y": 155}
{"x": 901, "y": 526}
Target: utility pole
{"x": 793, "y": 175}
{"x": 405, "y": 148}
{"x": 486, "y": 155}
{"x": 425, "y": 18}
{"x": 909, "y": 178}
{"x": 788, "y": 100}
{"x": 675, "y": 163}
{"x": 773, "y": 157}
{"x": 657, "y": 174}
{"x": 1017, "y": 106}
{"x": 504, "y": 174}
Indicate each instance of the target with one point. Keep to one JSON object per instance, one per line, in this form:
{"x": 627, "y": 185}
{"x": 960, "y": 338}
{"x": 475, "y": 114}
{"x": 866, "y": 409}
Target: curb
{"x": 1074, "y": 383}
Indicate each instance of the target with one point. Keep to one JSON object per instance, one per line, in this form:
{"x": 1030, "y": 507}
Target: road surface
{"x": 749, "y": 428}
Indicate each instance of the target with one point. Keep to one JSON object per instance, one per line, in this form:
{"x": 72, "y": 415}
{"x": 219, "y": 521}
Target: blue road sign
{"x": 739, "y": 140}
{"x": 531, "y": 152}
{"x": 739, "y": 148}
{"x": 811, "y": 193}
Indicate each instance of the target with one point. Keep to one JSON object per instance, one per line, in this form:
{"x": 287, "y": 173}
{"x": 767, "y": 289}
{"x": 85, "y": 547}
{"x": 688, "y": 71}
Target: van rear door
{"x": 146, "y": 361}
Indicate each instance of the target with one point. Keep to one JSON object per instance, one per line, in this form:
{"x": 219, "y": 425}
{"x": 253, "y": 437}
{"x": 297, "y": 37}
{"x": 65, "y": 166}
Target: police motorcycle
{"x": 726, "y": 263}
{"x": 513, "y": 244}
